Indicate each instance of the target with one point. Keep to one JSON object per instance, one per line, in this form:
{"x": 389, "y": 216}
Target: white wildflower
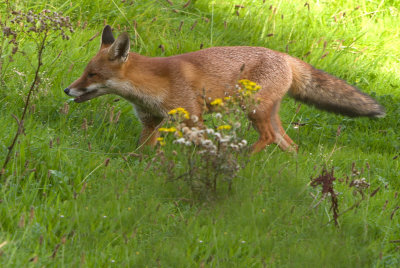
{"x": 361, "y": 183}
{"x": 195, "y": 118}
{"x": 242, "y": 145}
{"x": 200, "y": 132}
{"x": 218, "y": 115}
{"x": 225, "y": 139}
{"x": 206, "y": 143}
{"x": 213, "y": 151}
{"x": 188, "y": 143}
{"x": 218, "y": 135}
{"x": 185, "y": 130}
{"x": 234, "y": 146}
{"x": 192, "y": 136}
{"x": 210, "y": 131}
{"x": 180, "y": 141}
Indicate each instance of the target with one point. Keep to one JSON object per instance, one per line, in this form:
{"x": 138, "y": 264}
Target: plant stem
{"x": 34, "y": 84}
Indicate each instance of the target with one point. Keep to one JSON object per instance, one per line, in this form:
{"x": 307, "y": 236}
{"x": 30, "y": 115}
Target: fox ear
{"x": 119, "y": 50}
{"x": 107, "y": 38}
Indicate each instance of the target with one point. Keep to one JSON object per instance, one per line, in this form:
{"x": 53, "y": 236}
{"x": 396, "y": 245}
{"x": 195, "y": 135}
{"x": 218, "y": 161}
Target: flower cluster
{"x": 180, "y": 112}
{"x": 18, "y": 25}
{"x": 217, "y": 102}
{"x": 161, "y": 141}
{"x": 164, "y": 129}
{"x": 44, "y": 21}
{"x": 360, "y": 183}
{"x": 224, "y": 127}
{"x": 248, "y": 87}
{"x": 209, "y": 140}
{"x": 210, "y": 152}
{"x": 244, "y": 96}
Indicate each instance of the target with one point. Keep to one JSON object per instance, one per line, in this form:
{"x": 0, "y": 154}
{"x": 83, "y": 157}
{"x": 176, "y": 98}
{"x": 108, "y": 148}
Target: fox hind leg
{"x": 266, "y": 121}
{"x": 281, "y": 138}
{"x": 260, "y": 117}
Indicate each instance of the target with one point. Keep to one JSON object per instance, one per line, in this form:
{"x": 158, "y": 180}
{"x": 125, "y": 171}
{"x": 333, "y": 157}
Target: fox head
{"x": 108, "y": 64}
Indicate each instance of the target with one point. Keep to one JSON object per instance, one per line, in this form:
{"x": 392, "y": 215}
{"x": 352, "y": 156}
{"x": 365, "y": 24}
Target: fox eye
{"x": 91, "y": 74}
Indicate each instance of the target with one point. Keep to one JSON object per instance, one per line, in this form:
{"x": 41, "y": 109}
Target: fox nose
{"x": 66, "y": 91}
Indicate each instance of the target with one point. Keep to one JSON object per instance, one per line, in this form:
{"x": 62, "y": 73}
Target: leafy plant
{"x": 211, "y": 153}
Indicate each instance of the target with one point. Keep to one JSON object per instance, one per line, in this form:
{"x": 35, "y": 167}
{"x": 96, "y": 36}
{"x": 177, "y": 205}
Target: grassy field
{"x": 73, "y": 195}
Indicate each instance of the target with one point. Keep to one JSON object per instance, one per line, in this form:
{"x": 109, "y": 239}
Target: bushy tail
{"x": 330, "y": 93}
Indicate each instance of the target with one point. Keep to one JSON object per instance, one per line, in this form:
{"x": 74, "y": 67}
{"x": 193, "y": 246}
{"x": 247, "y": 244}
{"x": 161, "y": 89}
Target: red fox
{"x": 157, "y": 85}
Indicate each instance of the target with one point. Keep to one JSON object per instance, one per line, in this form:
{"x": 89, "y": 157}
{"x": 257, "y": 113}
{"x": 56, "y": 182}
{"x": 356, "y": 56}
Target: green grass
{"x": 60, "y": 205}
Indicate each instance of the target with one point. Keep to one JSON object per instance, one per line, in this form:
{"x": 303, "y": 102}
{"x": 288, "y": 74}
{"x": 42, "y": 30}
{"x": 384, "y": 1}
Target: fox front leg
{"x": 150, "y": 125}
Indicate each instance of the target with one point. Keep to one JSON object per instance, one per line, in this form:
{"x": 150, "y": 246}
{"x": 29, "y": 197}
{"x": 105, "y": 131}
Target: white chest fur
{"x": 145, "y": 102}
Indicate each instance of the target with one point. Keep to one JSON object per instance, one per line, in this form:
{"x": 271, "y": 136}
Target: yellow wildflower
{"x": 246, "y": 93}
{"x": 245, "y": 82}
{"x": 161, "y": 141}
{"x": 249, "y": 85}
{"x": 217, "y": 102}
{"x": 224, "y": 127}
{"x": 163, "y": 129}
{"x": 255, "y": 88}
{"x": 180, "y": 111}
{"x": 173, "y": 111}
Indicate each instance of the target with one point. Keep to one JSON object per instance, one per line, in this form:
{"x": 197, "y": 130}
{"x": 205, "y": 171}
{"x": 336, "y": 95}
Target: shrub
{"x": 205, "y": 155}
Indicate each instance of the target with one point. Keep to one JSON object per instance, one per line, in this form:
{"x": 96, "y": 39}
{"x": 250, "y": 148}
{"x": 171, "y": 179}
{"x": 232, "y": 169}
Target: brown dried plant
{"x": 40, "y": 28}
{"x": 325, "y": 180}
{"x": 357, "y": 184}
